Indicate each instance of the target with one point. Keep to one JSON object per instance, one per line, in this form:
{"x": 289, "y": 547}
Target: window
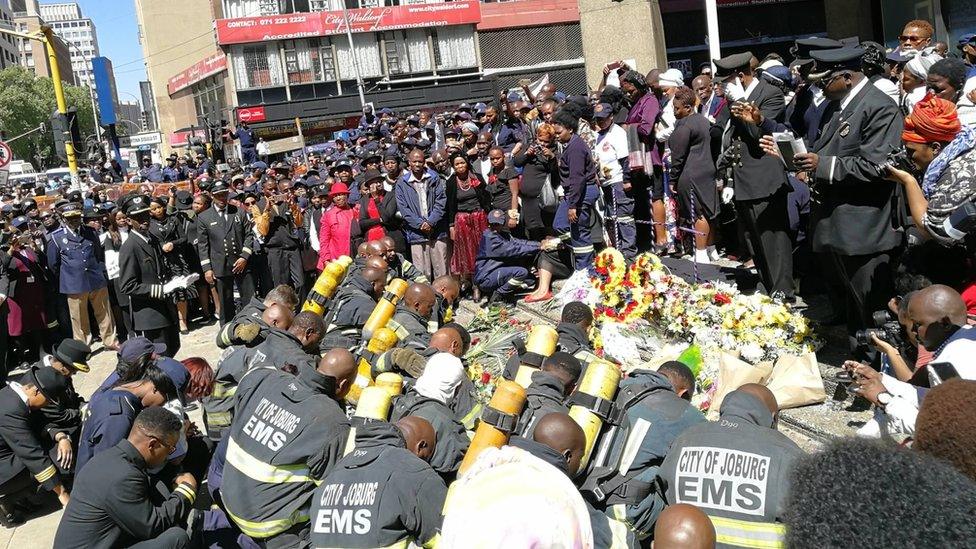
{"x": 406, "y": 51}
{"x": 252, "y": 8}
{"x": 325, "y": 5}
{"x": 309, "y": 60}
{"x": 454, "y": 47}
{"x": 257, "y": 66}
{"x": 367, "y": 54}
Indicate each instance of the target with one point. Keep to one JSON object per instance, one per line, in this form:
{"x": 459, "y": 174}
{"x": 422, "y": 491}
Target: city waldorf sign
{"x": 304, "y": 25}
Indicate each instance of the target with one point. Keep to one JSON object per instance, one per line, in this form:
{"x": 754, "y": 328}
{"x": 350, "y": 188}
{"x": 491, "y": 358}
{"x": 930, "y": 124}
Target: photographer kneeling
{"x": 938, "y": 322}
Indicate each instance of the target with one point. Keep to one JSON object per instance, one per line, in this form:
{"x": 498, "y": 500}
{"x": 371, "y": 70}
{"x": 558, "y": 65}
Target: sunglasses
{"x": 910, "y": 38}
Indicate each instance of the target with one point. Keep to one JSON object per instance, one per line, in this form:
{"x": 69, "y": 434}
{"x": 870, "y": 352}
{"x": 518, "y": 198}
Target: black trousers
{"x": 225, "y": 292}
{"x": 767, "y": 224}
{"x": 286, "y": 268}
{"x": 169, "y": 336}
{"x": 868, "y": 286}
{"x": 173, "y": 538}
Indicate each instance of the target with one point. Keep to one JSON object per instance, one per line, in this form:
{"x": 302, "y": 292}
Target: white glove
{"x": 191, "y": 279}
{"x": 727, "y": 194}
{"x": 173, "y": 284}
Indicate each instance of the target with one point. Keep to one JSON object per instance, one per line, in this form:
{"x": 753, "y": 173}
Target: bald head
{"x": 377, "y": 262}
{"x": 447, "y": 287}
{"x": 447, "y": 340}
{"x": 936, "y": 312}
{"x": 361, "y": 249}
{"x": 278, "y": 316}
{"x": 561, "y": 433}
{"x": 309, "y": 328}
{"x": 388, "y": 243}
{"x": 683, "y": 526}
{"x": 375, "y": 248}
{"x": 420, "y": 298}
{"x": 763, "y": 394}
{"x": 701, "y": 81}
{"x": 419, "y": 436}
{"x": 376, "y": 277}
{"x": 341, "y": 365}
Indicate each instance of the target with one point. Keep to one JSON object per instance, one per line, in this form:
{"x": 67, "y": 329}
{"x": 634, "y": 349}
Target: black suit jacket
{"x": 20, "y": 442}
{"x": 221, "y": 242}
{"x": 111, "y": 503}
{"x": 755, "y": 174}
{"x": 141, "y": 277}
{"x": 856, "y": 202}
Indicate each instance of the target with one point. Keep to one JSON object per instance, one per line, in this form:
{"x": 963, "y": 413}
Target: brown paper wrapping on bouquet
{"x": 734, "y": 373}
{"x": 796, "y": 381}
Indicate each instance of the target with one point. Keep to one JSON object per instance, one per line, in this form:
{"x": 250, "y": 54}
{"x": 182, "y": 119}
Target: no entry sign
{"x": 6, "y": 155}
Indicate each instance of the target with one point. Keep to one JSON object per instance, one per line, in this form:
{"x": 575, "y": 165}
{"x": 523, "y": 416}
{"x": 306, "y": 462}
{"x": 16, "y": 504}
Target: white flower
{"x": 751, "y": 353}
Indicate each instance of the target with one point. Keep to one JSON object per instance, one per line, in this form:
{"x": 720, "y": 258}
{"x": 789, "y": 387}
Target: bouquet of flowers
{"x": 657, "y": 306}
{"x": 488, "y": 354}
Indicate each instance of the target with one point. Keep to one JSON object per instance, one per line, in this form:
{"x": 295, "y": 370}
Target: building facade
{"x": 132, "y": 112}
{"x": 32, "y": 54}
{"x": 78, "y": 32}
{"x": 148, "y": 106}
{"x": 9, "y": 51}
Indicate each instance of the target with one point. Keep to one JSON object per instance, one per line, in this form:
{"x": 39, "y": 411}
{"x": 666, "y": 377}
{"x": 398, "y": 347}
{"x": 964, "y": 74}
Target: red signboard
{"x": 204, "y": 68}
{"x": 179, "y": 139}
{"x": 251, "y": 114}
{"x": 302, "y": 25}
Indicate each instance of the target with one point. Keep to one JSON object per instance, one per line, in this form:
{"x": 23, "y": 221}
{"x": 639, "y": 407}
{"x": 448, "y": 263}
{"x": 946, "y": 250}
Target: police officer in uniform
{"x": 853, "y": 219}
{"x": 225, "y": 242}
{"x": 760, "y": 183}
{"x": 283, "y": 243}
{"x": 25, "y": 462}
{"x": 288, "y": 433}
{"x": 385, "y": 486}
{"x": 248, "y": 142}
{"x": 150, "y": 172}
{"x": 351, "y": 308}
{"x": 735, "y": 469}
{"x": 142, "y": 274}
{"x": 412, "y": 318}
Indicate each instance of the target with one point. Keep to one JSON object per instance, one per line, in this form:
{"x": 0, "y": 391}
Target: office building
{"x": 32, "y": 53}
{"x": 132, "y": 112}
{"x": 9, "y": 52}
{"x": 78, "y": 31}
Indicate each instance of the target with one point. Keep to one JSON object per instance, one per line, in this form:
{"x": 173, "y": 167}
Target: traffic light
{"x": 65, "y": 127}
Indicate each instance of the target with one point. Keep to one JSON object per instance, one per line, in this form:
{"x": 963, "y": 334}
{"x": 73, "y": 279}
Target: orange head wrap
{"x": 932, "y": 120}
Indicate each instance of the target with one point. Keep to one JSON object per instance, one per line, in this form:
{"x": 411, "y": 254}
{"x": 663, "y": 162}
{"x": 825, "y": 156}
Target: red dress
{"x": 26, "y": 303}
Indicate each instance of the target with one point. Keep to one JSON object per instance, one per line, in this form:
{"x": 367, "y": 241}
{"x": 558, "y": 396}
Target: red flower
{"x": 485, "y": 378}
{"x": 722, "y": 299}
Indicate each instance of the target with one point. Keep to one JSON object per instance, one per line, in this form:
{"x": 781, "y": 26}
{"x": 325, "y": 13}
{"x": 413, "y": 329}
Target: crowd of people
{"x": 844, "y": 170}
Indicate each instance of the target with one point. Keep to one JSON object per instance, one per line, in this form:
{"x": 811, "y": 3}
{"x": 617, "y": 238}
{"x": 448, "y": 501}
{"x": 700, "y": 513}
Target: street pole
{"x": 714, "y": 42}
{"x": 355, "y": 59}
{"x": 98, "y": 127}
{"x": 47, "y": 37}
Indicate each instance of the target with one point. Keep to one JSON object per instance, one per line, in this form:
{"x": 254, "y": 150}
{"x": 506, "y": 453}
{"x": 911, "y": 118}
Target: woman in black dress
{"x": 171, "y": 233}
{"x": 503, "y": 186}
{"x": 694, "y": 173}
{"x": 540, "y": 166}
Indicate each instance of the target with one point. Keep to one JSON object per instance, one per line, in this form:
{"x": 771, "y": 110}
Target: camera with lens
{"x": 887, "y": 328}
{"x": 961, "y": 223}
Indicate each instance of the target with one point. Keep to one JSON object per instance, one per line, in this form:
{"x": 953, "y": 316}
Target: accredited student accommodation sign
{"x": 245, "y": 30}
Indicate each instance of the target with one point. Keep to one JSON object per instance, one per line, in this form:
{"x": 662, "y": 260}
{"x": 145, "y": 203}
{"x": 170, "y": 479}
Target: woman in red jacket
{"x": 334, "y": 232}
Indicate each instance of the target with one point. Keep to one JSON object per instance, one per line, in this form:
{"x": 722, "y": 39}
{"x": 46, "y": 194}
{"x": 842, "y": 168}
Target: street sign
{"x": 6, "y": 155}
{"x": 251, "y": 114}
{"x": 285, "y": 144}
{"x": 139, "y": 139}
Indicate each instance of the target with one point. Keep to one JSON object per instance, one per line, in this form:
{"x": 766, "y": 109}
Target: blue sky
{"x": 118, "y": 39}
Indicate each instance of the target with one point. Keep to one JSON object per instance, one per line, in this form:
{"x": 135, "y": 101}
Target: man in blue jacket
{"x": 422, "y": 201}
{"x": 503, "y": 260}
{"x": 77, "y": 258}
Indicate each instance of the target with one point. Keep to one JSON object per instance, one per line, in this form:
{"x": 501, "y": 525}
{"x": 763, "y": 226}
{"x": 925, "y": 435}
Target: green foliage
{"x": 25, "y": 102}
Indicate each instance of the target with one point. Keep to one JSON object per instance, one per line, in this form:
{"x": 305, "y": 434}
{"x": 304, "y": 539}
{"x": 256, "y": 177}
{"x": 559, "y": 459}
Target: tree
{"x": 26, "y": 102}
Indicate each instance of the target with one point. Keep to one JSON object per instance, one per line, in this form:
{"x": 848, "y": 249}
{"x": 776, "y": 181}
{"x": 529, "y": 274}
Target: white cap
{"x": 671, "y": 78}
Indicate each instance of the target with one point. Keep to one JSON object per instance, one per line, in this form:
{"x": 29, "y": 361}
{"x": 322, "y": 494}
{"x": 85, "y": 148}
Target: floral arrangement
{"x": 659, "y": 309}
{"x": 488, "y": 354}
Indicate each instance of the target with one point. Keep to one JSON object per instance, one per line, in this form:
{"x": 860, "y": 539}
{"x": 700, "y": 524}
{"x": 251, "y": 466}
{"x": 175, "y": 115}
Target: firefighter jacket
{"x": 287, "y": 434}
{"x": 452, "y": 440}
{"x": 736, "y": 470}
{"x": 379, "y": 495}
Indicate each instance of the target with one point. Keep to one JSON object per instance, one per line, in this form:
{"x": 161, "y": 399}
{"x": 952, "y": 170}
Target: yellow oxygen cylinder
{"x": 374, "y": 404}
{"x": 497, "y": 421}
{"x": 385, "y": 308}
{"x": 599, "y": 383}
{"x": 390, "y": 381}
{"x": 326, "y": 284}
{"x": 383, "y": 340}
{"x": 540, "y": 344}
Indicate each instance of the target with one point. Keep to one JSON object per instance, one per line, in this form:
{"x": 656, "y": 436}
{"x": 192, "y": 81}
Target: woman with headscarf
{"x": 171, "y": 233}
{"x": 913, "y": 78}
{"x": 468, "y": 203}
